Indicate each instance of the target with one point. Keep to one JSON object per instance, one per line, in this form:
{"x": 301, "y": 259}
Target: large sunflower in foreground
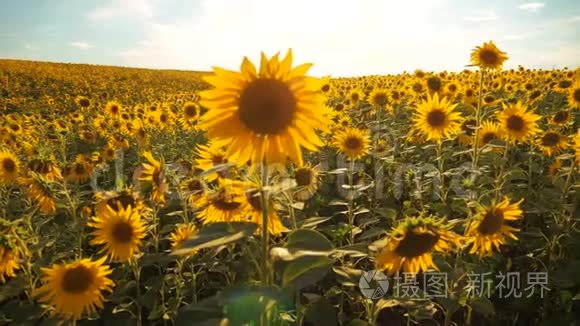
{"x": 488, "y": 56}
{"x": 574, "y": 95}
{"x": 121, "y": 232}
{"x": 75, "y": 288}
{"x": 517, "y": 122}
{"x": 352, "y": 142}
{"x": 267, "y": 114}
{"x": 436, "y": 119}
{"x": 490, "y": 230}
{"x": 411, "y": 244}
{"x": 552, "y": 142}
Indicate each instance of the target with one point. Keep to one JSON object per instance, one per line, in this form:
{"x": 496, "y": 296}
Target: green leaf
{"x": 313, "y": 221}
{"x": 305, "y": 271}
{"x": 308, "y": 240}
{"x": 217, "y": 234}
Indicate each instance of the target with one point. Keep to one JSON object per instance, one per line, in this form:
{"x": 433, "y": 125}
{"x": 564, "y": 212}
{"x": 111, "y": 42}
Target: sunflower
{"x": 554, "y": 168}
{"x": 574, "y": 95}
{"x": 182, "y": 232}
{"x": 436, "y": 119}
{"x": 75, "y": 288}
{"x": 253, "y": 212}
{"x": 552, "y": 142}
{"x": 113, "y": 109}
{"x": 123, "y": 199}
{"x": 9, "y": 167}
{"x": 560, "y": 118}
{"x": 211, "y": 156}
{"x": 352, "y": 142}
{"x": 518, "y": 123}
{"x": 121, "y": 232}
{"x": 38, "y": 189}
{"x": 379, "y": 97}
{"x": 189, "y": 112}
{"x": 153, "y": 172}
{"x": 265, "y": 115}
{"x": 81, "y": 170}
{"x": 224, "y": 204}
{"x": 9, "y": 260}
{"x": 306, "y": 182}
{"x": 194, "y": 188}
{"x": 488, "y": 132}
{"x": 466, "y": 135}
{"x": 488, "y": 56}
{"x": 411, "y": 244}
{"x": 490, "y": 229}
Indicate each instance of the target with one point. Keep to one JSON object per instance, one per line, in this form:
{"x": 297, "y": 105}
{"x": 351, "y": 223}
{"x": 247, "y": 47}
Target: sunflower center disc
{"x": 434, "y": 83}
{"x": 84, "y": 102}
{"x": 380, "y": 99}
{"x": 190, "y": 111}
{"x": 123, "y": 232}
{"x": 515, "y": 123}
{"x": 124, "y": 199}
{"x": 8, "y": 165}
{"x": 562, "y": 115}
{"x": 415, "y": 244}
{"x": 195, "y": 186}
{"x": 303, "y": 177}
{"x": 488, "y": 137}
{"x": 221, "y": 203}
{"x": 550, "y": 139}
{"x": 352, "y": 143}
{"x": 491, "y": 223}
{"x": 436, "y": 118}
{"x": 80, "y": 169}
{"x": 488, "y": 57}
{"x": 267, "y": 106}
{"x": 577, "y": 95}
{"x": 77, "y": 280}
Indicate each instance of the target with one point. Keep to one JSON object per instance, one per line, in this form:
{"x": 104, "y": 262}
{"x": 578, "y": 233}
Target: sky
{"x": 340, "y": 37}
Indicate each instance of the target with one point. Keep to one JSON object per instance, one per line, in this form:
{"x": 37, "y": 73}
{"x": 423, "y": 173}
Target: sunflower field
{"x": 267, "y": 196}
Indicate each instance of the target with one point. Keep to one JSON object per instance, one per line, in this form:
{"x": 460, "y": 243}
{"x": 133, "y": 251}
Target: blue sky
{"x": 340, "y": 37}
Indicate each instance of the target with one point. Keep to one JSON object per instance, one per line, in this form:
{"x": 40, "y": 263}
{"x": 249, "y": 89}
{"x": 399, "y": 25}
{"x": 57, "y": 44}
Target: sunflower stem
{"x": 500, "y": 176}
{"x": 137, "y": 275}
{"x": 475, "y": 158}
{"x": 351, "y": 200}
{"x": 265, "y": 234}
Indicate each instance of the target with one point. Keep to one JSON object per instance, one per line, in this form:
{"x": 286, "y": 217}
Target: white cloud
{"x": 482, "y": 16}
{"x": 138, "y": 9}
{"x": 532, "y": 6}
{"x": 341, "y": 37}
{"x": 81, "y": 45}
{"x": 31, "y": 47}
